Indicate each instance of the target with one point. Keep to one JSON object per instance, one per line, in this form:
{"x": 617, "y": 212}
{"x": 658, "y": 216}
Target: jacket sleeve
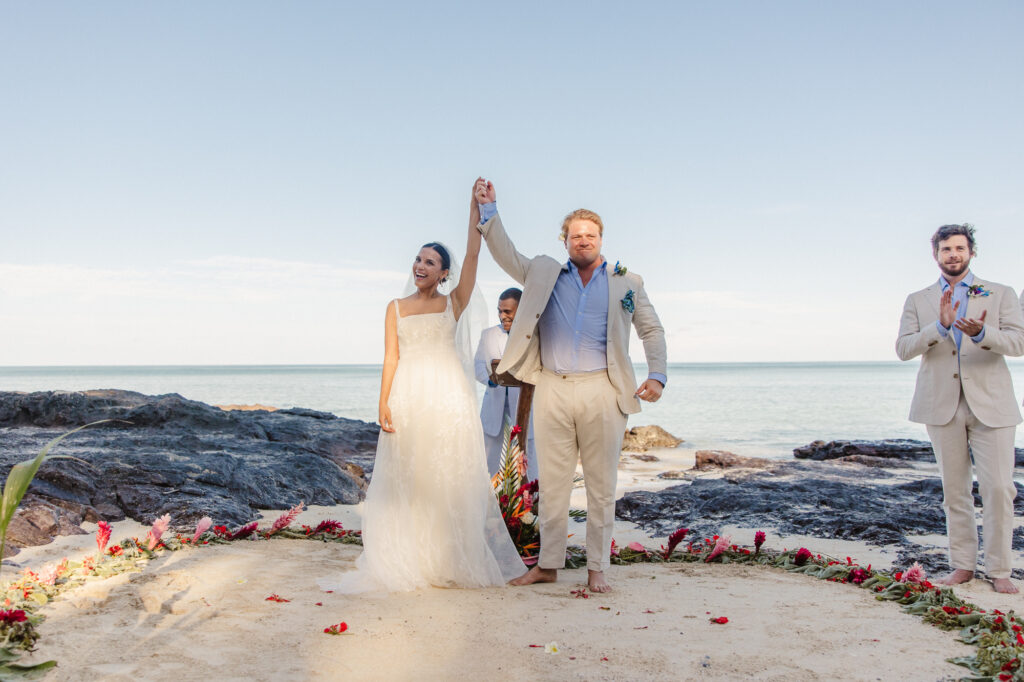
{"x": 481, "y": 361}
{"x": 504, "y": 251}
{"x": 651, "y": 333}
{"x": 912, "y": 340}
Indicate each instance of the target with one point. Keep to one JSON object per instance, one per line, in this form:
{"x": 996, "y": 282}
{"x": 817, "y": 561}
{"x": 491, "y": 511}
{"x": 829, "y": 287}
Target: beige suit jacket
{"x": 538, "y": 276}
{"x": 979, "y": 368}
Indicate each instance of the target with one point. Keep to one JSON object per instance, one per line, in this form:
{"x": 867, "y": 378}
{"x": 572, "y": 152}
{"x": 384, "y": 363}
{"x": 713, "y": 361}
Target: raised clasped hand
{"x": 650, "y": 391}
{"x": 483, "y": 191}
{"x": 970, "y": 326}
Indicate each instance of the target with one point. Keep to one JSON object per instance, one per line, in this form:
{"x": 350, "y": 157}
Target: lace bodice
{"x": 426, "y": 333}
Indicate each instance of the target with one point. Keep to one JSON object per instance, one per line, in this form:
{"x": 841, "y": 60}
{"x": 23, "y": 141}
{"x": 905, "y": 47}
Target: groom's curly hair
{"x": 947, "y": 231}
{"x": 581, "y": 214}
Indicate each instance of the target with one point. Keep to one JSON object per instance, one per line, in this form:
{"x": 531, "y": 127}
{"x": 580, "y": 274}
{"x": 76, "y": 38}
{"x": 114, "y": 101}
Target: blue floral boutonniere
{"x": 977, "y": 291}
{"x": 628, "y": 304}
{"x": 619, "y": 269}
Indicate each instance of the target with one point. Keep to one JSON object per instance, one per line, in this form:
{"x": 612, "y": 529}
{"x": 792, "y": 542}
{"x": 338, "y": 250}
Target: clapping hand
{"x": 970, "y": 326}
{"x": 947, "y": 310}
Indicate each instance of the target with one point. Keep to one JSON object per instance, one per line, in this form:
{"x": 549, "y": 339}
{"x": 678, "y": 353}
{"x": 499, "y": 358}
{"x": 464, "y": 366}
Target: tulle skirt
{"x": 430, "y": 516}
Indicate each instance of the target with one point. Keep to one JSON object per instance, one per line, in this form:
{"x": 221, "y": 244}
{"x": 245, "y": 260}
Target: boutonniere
{"x": 619, "y": 269}
{"x": 628, "y": 304}
{"x": 977, "y": 291}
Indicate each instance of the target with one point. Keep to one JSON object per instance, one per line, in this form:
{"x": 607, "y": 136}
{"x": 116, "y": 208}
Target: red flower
{"x": 102, "y": 535}
{"x": 336, "y": 629}
{"x": 116, "y": 550}
{"x": 802, "y": 555}
{"x": 721, "y": 620}
{"x": 758, "y": 540}
{"x": 276, "y": 598}
{"x": 11, "y": 616}
{"x": 516, "y": 430}
{"x": 858, "y": 575}
{"x": 674, "y": 540}
{"x": 328, "y": 526}
{"x": 221, "y": 531}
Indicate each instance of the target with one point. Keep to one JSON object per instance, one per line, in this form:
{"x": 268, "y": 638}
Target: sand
{"x": 202, "y": 614}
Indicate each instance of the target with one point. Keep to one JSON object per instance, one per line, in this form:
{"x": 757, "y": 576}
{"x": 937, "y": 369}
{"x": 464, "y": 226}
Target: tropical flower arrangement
{"x": 517, "y": 496}
{"x": 977, "y": 291}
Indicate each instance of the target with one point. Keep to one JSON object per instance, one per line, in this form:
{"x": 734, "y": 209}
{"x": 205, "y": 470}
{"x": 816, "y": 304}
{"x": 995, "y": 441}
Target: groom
{"x": 570, "y": 338}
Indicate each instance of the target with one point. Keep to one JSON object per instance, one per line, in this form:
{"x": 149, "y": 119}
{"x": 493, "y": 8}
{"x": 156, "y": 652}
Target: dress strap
{"x": 398, "y": 315}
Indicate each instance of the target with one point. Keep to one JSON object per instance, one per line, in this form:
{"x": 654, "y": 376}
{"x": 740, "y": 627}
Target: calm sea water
{"x": 763, "y": 409}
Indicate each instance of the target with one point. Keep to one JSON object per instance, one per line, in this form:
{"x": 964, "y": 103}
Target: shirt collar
{"x": 966, "y": 281}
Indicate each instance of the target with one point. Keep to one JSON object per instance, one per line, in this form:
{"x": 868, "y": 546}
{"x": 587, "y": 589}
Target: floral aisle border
{"x": 997, "y": 636}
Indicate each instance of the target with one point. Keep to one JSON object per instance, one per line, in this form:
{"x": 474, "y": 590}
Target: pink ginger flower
{"x": 914, "y": 574}
{"x": 758, "y": 540}
{"x": 102, "y": 535}
{"x": 244, "y": 532}
{"x": 201, "y": 527}
{"x": 721, "y": 544}
{"x": 160, "y": 526}
{"x": 636, "y": 547}
{"x": 802, "y": 555}
{"x": 674, "y": 540}
{"x": 285, "y": 520}
{"x": 48, "y": 576}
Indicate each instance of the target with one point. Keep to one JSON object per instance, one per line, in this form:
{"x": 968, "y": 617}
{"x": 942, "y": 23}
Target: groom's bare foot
{"x": 535, "y": 575}
{"x": 957, "y": 577}
{"x": 1004, "y": 585}
{"x": 596, "y": 582}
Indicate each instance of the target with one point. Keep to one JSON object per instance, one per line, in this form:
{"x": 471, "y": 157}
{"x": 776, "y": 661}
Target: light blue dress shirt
{"x": 959, "y": 296}
{"x": 574, "y": 326}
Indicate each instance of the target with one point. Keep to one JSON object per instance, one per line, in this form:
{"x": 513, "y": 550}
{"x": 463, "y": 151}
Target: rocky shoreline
{"x": 167, "y": 454}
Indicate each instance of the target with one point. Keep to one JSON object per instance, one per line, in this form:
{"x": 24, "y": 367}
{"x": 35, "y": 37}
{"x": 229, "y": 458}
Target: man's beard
{"x": 956, "y": 269}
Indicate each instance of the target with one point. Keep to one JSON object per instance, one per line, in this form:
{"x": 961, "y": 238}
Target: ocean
{"x": 758, "y": 409}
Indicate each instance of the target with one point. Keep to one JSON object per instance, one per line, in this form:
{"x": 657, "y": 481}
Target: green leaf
{"x": 16, "y": 671}
{"x": 19, "y": 479}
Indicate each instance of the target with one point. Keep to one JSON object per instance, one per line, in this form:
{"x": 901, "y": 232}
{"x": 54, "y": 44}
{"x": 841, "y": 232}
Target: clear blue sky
{"x": 248, "y": 182}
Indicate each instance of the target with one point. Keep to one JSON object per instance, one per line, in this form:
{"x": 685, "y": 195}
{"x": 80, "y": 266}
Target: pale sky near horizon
{"x": 248, "y": 182}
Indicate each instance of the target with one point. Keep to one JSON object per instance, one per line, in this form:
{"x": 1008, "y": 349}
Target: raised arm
{"x": 390, "y": 365}
{"x": 467, "y": 278}
{"x": 498, "y": 243}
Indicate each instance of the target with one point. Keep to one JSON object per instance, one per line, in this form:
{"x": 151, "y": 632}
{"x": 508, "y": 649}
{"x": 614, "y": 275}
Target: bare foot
{"x": 596, "y": 582}
{"x": 958, "y": 577}
{"x": 1004, "y": 585}
{"x": 535, "y": 575}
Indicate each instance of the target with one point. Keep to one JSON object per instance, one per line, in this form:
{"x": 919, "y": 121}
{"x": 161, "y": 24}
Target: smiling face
{"x": 507, "y": 312}
{"x": 583, "y": 242}
{"x": 954, "y": 256}
{"x": 427, "y": 270}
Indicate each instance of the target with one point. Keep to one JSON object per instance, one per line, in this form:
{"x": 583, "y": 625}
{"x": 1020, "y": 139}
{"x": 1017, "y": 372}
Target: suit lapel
{"x": 975, "y": 304}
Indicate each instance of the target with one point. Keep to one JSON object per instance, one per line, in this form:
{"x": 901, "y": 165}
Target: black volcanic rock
{"x": 894, "y": 448}
{"x": 827, "y": 500}
{"x": 177, "y": 456}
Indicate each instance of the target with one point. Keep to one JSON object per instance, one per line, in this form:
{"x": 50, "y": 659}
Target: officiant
{"x": 500, "y": 402}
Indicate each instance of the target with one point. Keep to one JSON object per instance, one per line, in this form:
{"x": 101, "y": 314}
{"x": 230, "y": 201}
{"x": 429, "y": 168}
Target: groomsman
{"x": 500, "y": 403}
{"x": 963, "y": 327}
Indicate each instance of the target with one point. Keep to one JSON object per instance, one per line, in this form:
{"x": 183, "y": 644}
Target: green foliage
{"x": 19, "y": 479}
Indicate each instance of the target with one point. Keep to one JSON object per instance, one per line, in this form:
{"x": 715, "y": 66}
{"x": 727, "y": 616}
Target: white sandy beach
{"x": 202, "y": 614}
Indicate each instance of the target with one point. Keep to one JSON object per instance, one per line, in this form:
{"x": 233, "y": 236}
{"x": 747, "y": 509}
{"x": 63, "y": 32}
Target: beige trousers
{"x": 993, "y": 462}
{"x": 577, "y": 418}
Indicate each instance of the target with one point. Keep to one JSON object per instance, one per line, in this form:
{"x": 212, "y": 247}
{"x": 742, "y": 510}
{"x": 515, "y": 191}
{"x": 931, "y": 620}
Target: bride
{"x": 430, "y": 516}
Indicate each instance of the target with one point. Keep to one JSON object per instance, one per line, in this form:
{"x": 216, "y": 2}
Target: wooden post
{"x": 525, "y": 400}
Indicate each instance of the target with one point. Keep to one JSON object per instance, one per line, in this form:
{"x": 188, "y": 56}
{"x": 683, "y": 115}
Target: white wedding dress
{"x": 430, "y": 515}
